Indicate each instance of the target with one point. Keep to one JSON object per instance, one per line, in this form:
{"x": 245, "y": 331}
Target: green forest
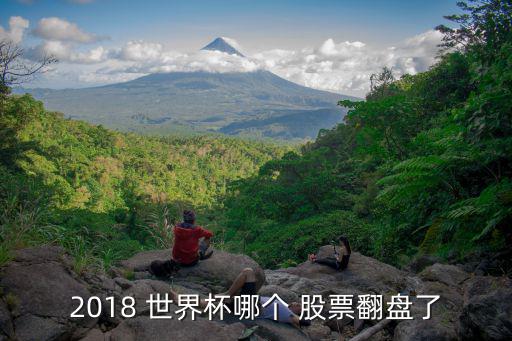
{"x": 106, "y": 195}
{"x": 421, "y": 166}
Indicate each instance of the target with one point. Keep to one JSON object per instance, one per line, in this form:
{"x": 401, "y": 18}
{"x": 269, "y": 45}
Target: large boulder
{"x": 144, "y": 328}
{"x": 39, "y": 285}
{"x": 96, "y": 335}
{"x": 298, "y": 285}
{"x": 450, "y": 275}
{"x": 142, "y": 260}
{"x": 286, "y": 294}
{"x": 487, "y": 311}
{"x": 424, "y": 330}
{"x": 215, "y": 273}
{"x": 6, "y": 326}
{"x": 275, "y": 331}
{"x": 420, "y": 262}
{"x": 363, "y": 273}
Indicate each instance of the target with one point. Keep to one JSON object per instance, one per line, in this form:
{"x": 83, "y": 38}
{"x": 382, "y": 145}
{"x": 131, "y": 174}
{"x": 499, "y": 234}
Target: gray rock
{"x": 424, "y": 330}
{"x": 286, "y": 294}
{"x": 299, "y": 285}
{"x": 41, "y": 283}
{"x": 482, "y": 285}
{"x": 96, "y": 335}
{"x": 34, "y": 328}
{"x": 144, "y": 328}
{"x": 448, "y": 274}
{"x": 420, "y": 262}
{"x": 450, "y": 297}
{"x": 142, "y": 260}
{"x": 100, "y": 283}
{"x": 141, "y": 290}
{"x": 6, "y": 326}
{"x": 219, "y": 271}
{"x": 44, "y": 289}
{"x": 123, "y": 282}
{"x": 487, "y": 311}
{"x": 272, "y": 330}
{"x": 41, "y": 254}
{"x": 363, "y": 273}
{"x": 318, "y": 332}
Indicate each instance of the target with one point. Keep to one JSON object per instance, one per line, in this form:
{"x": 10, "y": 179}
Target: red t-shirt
{"x": 186, "y": 243}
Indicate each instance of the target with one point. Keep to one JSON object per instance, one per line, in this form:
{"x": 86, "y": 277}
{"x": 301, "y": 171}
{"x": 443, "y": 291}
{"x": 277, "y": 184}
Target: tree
{"x": 15, "y": 69}
{"x": 484, "y": 27}
{"x": 380, "y": 84}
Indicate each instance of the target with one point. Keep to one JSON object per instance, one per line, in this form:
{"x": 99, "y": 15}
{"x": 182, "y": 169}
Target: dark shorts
{"x": 249, "y": 288}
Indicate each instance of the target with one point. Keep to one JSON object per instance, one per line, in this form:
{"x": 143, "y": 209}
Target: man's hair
{"x": 189, "y": 216}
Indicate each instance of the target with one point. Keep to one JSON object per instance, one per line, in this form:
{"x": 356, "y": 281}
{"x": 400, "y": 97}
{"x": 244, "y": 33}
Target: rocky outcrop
{"x": 37, "y": 286}
{"x": 144, "y": 328}
{"x": 448, "y": 274}
{"x": 487, "y": 311}
{"x": 213, "y": 275}
{"x": 364, "y": 274}
{"x": 421, "y": 330}
{"x": 270, "y": 330}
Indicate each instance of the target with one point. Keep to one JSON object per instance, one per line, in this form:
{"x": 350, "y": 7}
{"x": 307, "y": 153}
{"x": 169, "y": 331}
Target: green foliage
{"x": 424, "y": 164}
{"x": 288, "y": 243}
{"x": 105, "y": 195}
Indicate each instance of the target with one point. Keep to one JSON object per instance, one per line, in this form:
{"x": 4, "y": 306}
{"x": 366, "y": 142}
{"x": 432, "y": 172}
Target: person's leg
{"x": 246, "y": 279}
{"x": 204, "y": 244}
{"x": 246, "y": 276}
{"x": 329, "y": 261}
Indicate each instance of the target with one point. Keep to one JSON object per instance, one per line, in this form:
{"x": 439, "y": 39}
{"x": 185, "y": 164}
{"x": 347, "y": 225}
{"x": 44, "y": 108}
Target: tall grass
{"x": 158, "y": 223}
{"x": 22, "y": 214}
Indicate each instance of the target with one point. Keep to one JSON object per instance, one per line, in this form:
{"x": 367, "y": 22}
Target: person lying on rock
{"x": 191, "y": 241}
{"x": 336, "y": 262}
{"x": 245, "y": 284}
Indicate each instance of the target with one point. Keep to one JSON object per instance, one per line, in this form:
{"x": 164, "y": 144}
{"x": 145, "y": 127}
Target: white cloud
{"x": 17, "y": 27}
{"x": 342, "y": 67}
{"x": 345, "y": 67}
{"x": 139, "y": 51}
{"x": 62, "y": 30}
{"x": 152, "y": 57}
{"x": 65, "y": 52}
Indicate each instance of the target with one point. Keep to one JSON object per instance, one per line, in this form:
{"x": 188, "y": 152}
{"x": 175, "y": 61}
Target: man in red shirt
{"x": 188, "y": 247}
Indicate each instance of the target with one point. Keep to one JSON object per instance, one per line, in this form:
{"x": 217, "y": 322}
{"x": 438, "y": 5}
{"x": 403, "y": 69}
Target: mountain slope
{"x": 232, "y": 103}
{"x": 199, "y": 101}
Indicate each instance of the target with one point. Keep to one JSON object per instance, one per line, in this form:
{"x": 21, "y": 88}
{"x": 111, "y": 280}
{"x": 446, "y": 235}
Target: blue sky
{"x": 258, "y": 26}
{"x": 276, "y": 23}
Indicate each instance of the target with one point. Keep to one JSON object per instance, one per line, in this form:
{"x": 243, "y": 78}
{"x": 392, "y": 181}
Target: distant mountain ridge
{"x": 257, "y": 103}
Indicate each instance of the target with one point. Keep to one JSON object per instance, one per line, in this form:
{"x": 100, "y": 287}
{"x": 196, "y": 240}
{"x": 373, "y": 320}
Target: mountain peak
{"x": 223, "y": 44}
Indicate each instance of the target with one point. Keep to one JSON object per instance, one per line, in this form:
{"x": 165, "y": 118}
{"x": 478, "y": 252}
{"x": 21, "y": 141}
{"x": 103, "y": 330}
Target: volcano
{"x": 221, "y": 44}
{"x": 256, "y": 104}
